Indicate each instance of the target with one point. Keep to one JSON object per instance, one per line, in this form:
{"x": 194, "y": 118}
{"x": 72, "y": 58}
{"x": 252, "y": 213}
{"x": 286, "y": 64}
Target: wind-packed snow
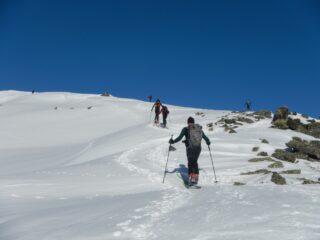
{"x": 87, "y": 167}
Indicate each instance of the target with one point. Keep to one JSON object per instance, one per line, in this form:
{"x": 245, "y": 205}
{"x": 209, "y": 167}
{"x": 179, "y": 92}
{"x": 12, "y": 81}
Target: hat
{"x": 190, "y": 120}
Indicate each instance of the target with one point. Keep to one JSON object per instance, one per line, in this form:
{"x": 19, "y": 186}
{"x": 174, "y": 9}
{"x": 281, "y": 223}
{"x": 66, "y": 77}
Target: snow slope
{"x": 77, "y": 166}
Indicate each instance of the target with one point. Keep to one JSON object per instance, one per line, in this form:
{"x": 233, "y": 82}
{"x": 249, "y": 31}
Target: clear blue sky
{"x": 208, "y": 54}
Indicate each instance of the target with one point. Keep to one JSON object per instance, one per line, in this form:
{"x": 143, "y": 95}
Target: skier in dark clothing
{"x": 150, "y": 98}
{"x": 248, "y": 105}
{"x": 165, "y": 112}
{"x": 193, "y": 135}
{"x": 156, "y": 107}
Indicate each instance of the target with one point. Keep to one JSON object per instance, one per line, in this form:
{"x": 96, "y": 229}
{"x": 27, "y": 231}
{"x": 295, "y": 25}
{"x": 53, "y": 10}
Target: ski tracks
{"x": 150, "y": 163}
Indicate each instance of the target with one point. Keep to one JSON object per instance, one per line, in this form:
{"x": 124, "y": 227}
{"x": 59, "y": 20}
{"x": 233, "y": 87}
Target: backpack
{"x": 165, "y": 110}
{"x": 195, "y": 136}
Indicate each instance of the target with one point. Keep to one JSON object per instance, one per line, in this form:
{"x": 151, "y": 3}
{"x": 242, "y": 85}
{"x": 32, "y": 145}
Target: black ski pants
{"x": 193, "y": 154}
{"x": 164, "y": 120}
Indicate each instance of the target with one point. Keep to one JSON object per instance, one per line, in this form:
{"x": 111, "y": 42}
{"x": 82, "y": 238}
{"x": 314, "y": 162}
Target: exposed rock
{"x": 313, "y": 129}
{"x": 210, "y": 129}
{"x": 308, "y": 181}
{"x": 278, "y": 179}
{"x": 260, "y": 159}
{"x": 106, "y": 94}
{"x": 293, "y": 124}
{"x": 300, "y": 155}
{"x": 89, "y": 107}
{"x": 265, "y": 141}
{"x": 200, "y": 114}
{"x": 311, "y": 121}
{"x": 230, "y": 121}
{"x": 255, "y": 149}
{"x": 282, "y": 113}
{"x": 238, "y": 184}
{"x": 260, "y": 171}
{"x": 232, "y": 131}
{"x": 293, "y": 171}
{"x": 245, "y": 120}
{"x": 281, "y": 124}
{"x": 209, "y": 125}
{"x": 284, "y": 155}
{"x": 263, "y": 113}
{"x": 311, "y": 149}
{"x": 263, "y": 154}
{"x": 276, "y": 164}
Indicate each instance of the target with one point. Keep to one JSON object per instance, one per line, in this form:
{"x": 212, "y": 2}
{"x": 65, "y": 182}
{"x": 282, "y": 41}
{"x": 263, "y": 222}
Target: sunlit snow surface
{"x": 89, "y": 167}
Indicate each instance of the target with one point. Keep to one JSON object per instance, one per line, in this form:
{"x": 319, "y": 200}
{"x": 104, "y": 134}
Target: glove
{"x": 209, "y": 143}
{"x": 171, "y": 141}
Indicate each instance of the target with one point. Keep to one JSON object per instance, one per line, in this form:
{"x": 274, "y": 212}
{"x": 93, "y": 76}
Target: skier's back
{"x": 156, "y": 106}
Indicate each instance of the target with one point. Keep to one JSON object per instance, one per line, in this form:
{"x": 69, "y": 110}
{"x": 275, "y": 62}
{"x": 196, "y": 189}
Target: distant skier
{"x": 193, "y": 135}
{"x": 156, "y": 106}
{"x": 150, "y": 98}
{"x": 33, "y": 91}
{"x": 165, "y": 112}
{"x": 248, "y": 105}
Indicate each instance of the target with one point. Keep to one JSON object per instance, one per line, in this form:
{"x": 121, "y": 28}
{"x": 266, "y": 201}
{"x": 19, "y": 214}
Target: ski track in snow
{"x": 173, "y": 196}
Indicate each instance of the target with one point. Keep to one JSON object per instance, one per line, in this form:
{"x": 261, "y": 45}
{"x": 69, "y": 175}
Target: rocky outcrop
{"x": 278, "y": 179}
{"x": 281, "y": 120}
{"x": 280, "y": 124}
{"x": 260, "y": 159}
{"x": 263, "y": 154}
{"x": 304, "y": 149}
{"x": 238, "y": 184}
{"x": 293, "y": 171}
{"x": 255, "y": 149}
{"x": 260, "y": 171}
{"x": 276, "y": 164}
{"x": 245, "y": 120}
{"x": 282, "y": 113}
{"x": 263, "y": 114}
{"x": 309, "y": 181}
{"x": 284, "y": 155}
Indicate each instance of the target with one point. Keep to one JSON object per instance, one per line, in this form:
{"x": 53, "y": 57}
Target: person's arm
{"x": 182, "y": 134}
{"x": 206, "y": 138}
{"x": 152, "y": 107}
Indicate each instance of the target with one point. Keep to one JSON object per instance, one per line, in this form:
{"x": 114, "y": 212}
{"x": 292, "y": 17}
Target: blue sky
{"x": 208, "y": 54}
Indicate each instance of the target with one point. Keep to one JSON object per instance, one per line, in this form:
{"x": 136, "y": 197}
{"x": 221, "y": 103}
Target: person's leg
{"x": 193, "y": 170}
{"x": 197, "y": 152}
{"x": 164, "y": 121}
{"x": 156, "y": 118}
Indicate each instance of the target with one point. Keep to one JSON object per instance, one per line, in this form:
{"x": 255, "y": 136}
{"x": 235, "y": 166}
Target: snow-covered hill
{"x": 76, "y": 166}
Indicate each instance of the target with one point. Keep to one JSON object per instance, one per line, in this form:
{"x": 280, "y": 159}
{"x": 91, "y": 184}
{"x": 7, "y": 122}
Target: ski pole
{"x": 165, "y": 170}
{"x": 215, "y": 177}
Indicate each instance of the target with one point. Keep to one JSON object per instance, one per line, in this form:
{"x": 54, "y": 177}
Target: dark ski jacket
{"x": 185, "y": 133}
{"x": 164, "y": 111}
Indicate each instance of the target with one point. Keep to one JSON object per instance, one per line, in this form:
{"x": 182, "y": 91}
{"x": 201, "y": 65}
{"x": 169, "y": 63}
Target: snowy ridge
{"x": 76, "y": 166}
